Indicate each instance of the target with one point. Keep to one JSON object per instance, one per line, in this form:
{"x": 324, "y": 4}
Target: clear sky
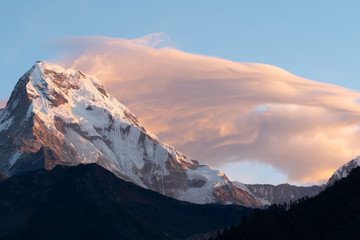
{"x": 318, "y": 40}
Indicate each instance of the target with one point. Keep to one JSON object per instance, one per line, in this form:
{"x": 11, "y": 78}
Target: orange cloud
{"x": 219, "y": 111}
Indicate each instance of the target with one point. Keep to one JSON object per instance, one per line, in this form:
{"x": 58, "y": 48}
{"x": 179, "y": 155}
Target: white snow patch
{"x": 14, "y": 158}
{"x": 6, "y": 124}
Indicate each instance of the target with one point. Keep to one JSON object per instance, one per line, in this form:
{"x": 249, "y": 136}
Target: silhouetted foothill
{"x": 89, "y": 202}
{"x": 333, "y": 214}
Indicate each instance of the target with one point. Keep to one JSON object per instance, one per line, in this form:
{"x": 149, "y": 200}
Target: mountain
{"x": 333, "y": 214}
{"x": 269, "y": 194}
{"x": 89, "y": 202}
{"x": 64, "y": 117}
{"x": 344, "y": 170}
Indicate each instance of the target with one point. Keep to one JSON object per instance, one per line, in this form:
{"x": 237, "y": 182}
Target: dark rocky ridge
{"x": 89, "y": 202}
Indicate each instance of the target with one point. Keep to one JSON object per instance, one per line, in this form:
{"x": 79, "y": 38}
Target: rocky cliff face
{"x": 64, "y": 117}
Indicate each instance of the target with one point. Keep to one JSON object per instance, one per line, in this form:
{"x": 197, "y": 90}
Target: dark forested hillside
{"x": 89, "y": 202}
{"x": 333, "y": 214}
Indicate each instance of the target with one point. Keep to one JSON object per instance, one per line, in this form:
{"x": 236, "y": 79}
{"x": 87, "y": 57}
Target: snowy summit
{"x": 58, "y": 116}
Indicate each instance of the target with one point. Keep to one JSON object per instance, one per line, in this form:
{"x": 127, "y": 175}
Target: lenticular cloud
{"x": 219, "y": 111}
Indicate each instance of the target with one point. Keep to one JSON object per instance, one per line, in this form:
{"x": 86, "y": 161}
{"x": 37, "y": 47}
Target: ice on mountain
{"x": 65, "y": 131}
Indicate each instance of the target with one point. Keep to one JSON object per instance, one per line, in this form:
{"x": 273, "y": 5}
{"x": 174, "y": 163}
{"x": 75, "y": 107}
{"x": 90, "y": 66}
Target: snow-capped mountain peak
{"x": 63, "y": 116}
{"x": 72, "y": 95}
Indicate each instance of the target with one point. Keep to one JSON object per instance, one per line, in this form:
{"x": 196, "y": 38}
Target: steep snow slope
{"x": 64, "y": 117}
{"x": 344, "y": 170}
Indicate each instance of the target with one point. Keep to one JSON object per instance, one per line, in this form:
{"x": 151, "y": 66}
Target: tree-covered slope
{"x": 333, "y": 214}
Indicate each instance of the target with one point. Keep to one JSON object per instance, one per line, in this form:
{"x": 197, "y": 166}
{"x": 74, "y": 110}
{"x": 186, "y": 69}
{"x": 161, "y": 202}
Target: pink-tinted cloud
{"x": 3, "y": 103}
{"x": 219, "y": 111}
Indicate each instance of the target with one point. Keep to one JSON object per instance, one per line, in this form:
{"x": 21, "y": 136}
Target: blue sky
{"x": 313, "y": 39}
{"x": 318, "y": 40}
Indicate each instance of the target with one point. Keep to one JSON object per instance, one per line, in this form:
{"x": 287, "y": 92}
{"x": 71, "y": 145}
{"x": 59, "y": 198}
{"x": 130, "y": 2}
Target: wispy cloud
{"x": 219, "y": 111}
